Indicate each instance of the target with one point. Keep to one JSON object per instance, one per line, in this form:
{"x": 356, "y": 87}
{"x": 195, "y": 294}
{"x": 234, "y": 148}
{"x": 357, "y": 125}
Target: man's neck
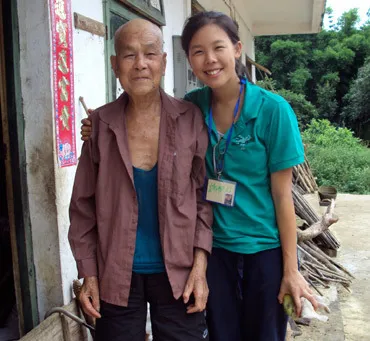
{"x": 144, "y": 105}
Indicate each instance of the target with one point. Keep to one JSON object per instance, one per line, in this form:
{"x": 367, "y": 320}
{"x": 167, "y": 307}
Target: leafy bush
{"x": 323, "y": 133}
{"x": 337, "y": 158}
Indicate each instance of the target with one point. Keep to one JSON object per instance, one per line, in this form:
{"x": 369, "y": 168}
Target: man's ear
{"x": 164, "y": 60}
{"x": 113, "y": 61}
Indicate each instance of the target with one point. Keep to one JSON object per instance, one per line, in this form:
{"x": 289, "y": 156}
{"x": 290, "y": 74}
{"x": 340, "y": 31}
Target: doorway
{"x": 8, "y": 313}
{"x": 18, "y": 308}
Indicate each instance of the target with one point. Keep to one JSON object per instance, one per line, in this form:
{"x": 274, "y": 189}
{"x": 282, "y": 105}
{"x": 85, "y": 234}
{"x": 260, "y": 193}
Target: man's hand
{"x": 89, "y": 297}
{"x": 197, "y": 283}
{"x": 296, "y": 286}
{"x": 85, "y": 129}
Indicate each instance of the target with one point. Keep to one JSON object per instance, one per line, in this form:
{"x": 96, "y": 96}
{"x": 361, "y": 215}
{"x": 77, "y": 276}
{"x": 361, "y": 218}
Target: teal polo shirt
{"x": 265, "y": 139}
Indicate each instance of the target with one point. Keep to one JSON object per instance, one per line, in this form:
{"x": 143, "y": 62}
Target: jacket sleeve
{"x": 203, "y": 231}
{"x": 83, "y": 225}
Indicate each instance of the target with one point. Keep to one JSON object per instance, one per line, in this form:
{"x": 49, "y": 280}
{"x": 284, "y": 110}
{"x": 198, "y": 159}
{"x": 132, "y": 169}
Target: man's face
{"x": 139, "y": 63}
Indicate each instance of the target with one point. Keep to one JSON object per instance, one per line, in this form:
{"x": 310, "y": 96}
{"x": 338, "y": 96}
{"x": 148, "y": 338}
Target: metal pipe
{"x": 70, "y": 315}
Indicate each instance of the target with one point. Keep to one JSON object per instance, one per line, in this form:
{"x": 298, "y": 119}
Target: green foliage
{"x": 333, "y": 58}
{"x": 320, "y": 66}
{"x": 267, "y": 83}
{"x": 287, "y": 56}
{"x": 327, "y": 104}
{"x": 347, "y": 170}
{"x": 348, "y": 21}
{"x": 298, "y": 80}
{"x": 337, "y": 157}
{"x": 322, "y": 133}
{"x": 356, "y": 112}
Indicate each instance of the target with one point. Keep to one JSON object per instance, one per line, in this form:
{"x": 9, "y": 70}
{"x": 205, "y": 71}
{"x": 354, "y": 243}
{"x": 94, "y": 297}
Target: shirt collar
{"x": 112, "y": 112}
{"x": 252, "y": 102}
{"x": 251, "y": 105}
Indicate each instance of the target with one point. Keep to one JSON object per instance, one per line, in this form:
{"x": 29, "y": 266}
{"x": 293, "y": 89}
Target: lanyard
{"x": 218, "y": 163}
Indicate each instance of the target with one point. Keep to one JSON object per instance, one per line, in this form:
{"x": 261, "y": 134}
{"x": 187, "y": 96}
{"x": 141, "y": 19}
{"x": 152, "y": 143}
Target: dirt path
{"x": 353, "y": 231}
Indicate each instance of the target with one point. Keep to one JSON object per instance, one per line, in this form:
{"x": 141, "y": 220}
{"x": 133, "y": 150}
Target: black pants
{"x": 243, "y": 291}
{"x": 170, "y": 322}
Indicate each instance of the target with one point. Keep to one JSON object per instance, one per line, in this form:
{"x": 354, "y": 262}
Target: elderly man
{"x": 140, "y": 231}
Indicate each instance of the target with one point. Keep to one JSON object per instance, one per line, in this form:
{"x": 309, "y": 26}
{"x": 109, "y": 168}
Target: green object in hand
{"x": 288, "y": 304}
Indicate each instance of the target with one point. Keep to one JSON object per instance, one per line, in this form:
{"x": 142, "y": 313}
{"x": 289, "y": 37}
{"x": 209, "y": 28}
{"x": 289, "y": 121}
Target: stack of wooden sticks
{"x": 314, "y": 237}
{"x": 303, "y": 178}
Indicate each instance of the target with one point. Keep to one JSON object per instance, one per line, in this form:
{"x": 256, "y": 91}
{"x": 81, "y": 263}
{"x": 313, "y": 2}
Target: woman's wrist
{"x": 290, "y": 265}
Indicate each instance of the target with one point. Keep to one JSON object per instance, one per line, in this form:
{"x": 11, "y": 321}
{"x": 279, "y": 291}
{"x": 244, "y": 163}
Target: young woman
{"x": 254, "y": 143}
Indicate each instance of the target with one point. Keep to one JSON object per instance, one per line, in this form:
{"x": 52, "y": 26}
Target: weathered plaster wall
{"x": 35, "y": 69}
{"x": 176, "y": 13}
{"x": 50, "y": 186}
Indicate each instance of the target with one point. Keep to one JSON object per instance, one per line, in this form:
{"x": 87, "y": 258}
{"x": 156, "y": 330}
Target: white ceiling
{"x": 270, "y": 17}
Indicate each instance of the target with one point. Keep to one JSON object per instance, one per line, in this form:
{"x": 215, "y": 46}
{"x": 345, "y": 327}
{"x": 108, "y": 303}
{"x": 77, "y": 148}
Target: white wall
{"x": 176, "y": 13}
{"x": 89, "y": 78}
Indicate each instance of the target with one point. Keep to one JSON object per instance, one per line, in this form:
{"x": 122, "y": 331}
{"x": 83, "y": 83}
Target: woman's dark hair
{"x": 194, "y": 23}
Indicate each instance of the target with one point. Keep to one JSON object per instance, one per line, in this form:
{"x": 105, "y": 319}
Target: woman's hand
{"x": 296, "y": 286}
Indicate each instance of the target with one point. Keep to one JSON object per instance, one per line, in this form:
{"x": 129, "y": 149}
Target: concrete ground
{"x": 351, "y": 314}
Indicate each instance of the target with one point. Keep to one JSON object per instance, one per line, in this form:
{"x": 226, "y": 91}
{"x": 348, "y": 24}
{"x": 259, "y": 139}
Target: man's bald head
{"x": 140, "y": 62}
{"x": 140, "y": 28}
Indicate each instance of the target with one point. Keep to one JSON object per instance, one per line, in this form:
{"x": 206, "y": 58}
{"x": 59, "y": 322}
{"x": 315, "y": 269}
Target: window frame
{"x": 149, "y": 12}
{"x": 121, "y": 9}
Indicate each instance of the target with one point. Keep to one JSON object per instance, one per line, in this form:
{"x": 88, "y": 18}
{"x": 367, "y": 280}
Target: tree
{"x": 322, "y": 66}
{"x": 298, "y": 80}
{"x": 287, "y": 56}
{"x": 347, "y": 22}
{"x": 329, "y": 12}
{"x": 327, "y": 104}
{"x": 356, "y": 112}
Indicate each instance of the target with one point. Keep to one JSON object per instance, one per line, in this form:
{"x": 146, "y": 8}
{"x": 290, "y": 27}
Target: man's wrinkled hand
{"x": 196, "y": 285}
{"x": 86, "y": 129}
{"x": 89, "y": 297}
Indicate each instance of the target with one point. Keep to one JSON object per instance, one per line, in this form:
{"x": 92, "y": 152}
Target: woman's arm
{"x": 293, "y": 282}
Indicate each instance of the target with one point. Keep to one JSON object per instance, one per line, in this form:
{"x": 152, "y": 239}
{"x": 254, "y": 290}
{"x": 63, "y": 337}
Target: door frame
{"x": 120, "y": 10}
{"x": 15, "y": 169}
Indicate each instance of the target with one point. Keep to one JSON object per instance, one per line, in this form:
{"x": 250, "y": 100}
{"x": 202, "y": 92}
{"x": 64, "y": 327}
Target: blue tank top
{"x": 148, "y": 258}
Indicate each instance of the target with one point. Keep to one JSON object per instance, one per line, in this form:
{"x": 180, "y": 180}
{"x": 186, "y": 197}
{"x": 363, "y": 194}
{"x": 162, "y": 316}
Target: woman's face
{"x": 212, "y": 56}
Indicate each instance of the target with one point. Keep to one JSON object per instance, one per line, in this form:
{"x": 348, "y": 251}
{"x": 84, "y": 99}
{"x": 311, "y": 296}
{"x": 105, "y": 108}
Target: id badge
{"x": 221, "y": 192}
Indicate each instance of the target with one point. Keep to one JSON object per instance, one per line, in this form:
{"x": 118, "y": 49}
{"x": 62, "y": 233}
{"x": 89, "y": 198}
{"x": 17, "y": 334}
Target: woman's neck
{"x": 229, "y": 92}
